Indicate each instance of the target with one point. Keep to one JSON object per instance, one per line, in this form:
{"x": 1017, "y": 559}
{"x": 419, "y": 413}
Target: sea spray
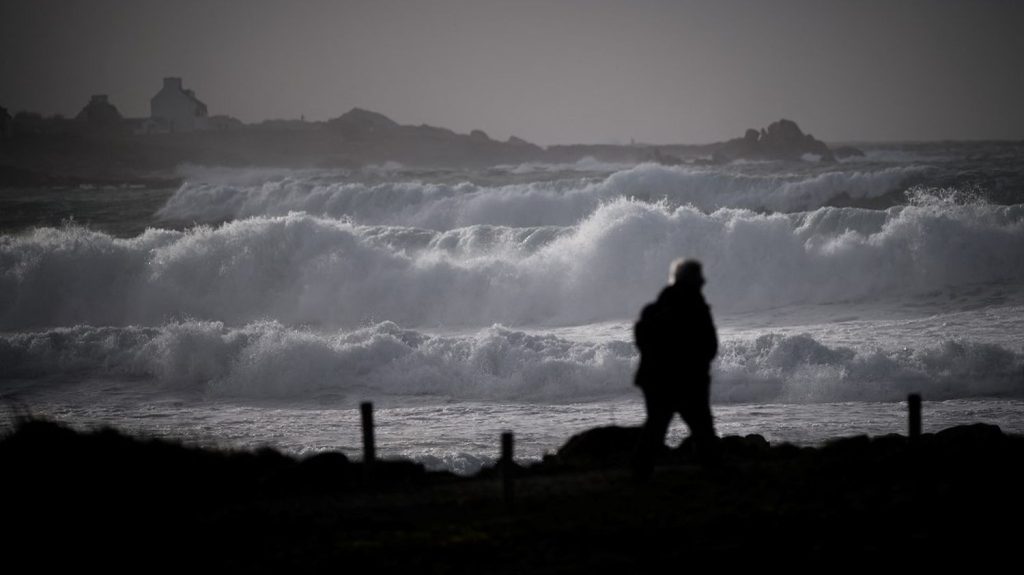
{"x": 267, "y": 360}
{"x": 300, "y": 269}
{"x": 563, "y": 202}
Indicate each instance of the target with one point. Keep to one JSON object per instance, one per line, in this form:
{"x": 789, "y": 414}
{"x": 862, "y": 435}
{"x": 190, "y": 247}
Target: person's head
{"x": 686, "y": 273}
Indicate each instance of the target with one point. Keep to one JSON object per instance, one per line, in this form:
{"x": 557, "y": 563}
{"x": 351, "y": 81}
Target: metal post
{"x": 508, "y": 466}
{"x": 369, "y": 448}
{"x": 914, "y": 413}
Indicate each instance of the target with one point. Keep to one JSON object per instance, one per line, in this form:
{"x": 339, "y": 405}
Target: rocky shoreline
{"x": 105, "y": 499}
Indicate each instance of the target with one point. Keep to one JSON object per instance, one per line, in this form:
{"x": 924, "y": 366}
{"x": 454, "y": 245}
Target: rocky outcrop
{"x": 613, "y": 446}
{"x": 782, "y": 140}
{"x": 599, "y": 447}
{"x": 368, "y": 136}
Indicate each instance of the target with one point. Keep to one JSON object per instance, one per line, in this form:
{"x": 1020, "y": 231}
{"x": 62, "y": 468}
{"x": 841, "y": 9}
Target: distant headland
{"x": 100, "y": 145}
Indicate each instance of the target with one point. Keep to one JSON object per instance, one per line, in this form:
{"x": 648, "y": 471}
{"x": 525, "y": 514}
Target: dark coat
{"x": 677, "y": 340}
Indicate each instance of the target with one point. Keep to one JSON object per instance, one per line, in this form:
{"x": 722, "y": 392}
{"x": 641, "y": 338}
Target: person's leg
{"x": 652, "y": 440}
{"x": 696, "y": 412}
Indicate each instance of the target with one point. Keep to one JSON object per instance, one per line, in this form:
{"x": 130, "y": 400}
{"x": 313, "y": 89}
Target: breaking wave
{"x": 305, "y": 270}
{"x": 442, "y": 206}
{"x": 584, "y": 164}
{"x": 268, "y": 360}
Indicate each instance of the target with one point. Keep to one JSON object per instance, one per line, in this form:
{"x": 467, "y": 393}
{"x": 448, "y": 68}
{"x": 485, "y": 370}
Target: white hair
{"x": 686, "y": 271}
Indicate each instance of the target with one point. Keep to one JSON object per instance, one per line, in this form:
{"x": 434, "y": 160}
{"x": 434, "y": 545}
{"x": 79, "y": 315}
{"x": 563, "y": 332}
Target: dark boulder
{"x": 600, "y": 447}
{"x": 966, "y": 434}
{"x": 732, "y": 447}
{"x": 324, "y": 470}
{"x": 744, "y": 446}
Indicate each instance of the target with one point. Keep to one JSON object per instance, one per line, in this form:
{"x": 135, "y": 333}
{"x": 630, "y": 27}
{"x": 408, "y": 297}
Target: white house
{"x": 177, "y": 109}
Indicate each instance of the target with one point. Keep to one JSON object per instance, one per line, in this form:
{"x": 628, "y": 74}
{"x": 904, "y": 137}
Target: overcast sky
{"x": 549, "y": 71}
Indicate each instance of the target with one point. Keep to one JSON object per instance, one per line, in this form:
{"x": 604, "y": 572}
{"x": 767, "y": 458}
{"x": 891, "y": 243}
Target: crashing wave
{"x": 299, "y": 269}
{"x": 443, "y": 206}
{"x": 268, "y": 360}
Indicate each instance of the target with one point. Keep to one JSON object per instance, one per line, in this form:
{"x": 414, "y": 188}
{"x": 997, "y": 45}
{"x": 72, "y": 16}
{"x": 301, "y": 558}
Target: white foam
{"x": 299, "y": 269}
{"x": 584, "y": 164}
{"x": 713, "y": 188}
{"x": 268, "y": 360}
{"x": 444, "y": 206}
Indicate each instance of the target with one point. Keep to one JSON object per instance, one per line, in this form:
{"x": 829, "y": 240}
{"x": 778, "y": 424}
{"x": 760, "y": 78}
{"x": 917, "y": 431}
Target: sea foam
{"x": 442, "y": 206}
{"x": 300, "y": 269}
{"x": 267, "y": 360}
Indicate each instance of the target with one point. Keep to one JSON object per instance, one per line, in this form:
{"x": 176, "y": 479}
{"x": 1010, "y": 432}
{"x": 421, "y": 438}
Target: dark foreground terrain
{"x": 102, "y": 499}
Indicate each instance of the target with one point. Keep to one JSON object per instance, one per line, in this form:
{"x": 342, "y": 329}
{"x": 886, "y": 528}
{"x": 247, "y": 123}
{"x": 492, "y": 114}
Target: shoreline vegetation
{"x": 105, "y": 499}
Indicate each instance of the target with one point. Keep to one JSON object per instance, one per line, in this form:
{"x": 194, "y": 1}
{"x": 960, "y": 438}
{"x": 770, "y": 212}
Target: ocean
{"x": 259, "y": 307}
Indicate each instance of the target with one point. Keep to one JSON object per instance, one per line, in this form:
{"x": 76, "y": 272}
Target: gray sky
{"x": 548, "y": 71}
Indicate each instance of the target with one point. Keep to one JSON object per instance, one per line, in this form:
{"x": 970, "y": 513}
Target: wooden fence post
{"x": 508, "y": 467}
{"x": 914, "y": 414}
{"x": 369, "y": 448}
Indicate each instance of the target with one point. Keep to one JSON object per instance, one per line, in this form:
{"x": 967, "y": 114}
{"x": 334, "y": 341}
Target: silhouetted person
{"x": 677, "y": 342}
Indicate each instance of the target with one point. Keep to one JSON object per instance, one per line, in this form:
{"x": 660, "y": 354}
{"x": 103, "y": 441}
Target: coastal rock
{"x": 976, "y": 433}
{"x": 372, "y": 136}
{"x": 781, "y": 140}
{"x": 745, "y": 446}
{"x": 613, "y": 446}
{"x": 325, "y": 470}
{"x": 600, "y": 447}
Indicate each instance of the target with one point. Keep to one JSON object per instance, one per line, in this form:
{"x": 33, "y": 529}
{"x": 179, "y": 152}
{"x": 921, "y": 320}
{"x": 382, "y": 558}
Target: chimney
{"x": 172, "y": 83}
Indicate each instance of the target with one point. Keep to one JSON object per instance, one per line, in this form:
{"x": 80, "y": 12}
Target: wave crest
{"x": 443, "y": 206}
{"x": 268, "y": 360}
{"x": 299, "y": 269}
